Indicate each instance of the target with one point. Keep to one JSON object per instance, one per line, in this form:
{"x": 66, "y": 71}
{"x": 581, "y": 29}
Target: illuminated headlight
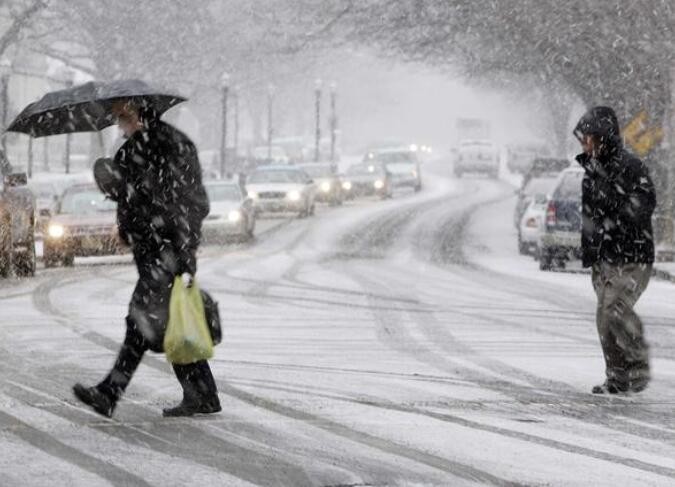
{"x": 234, "y": 216}
{"x": 325, "y": 187}
{"x": 413, "y": 148}
{"x": 294, "y": 195}
{"x": 347, "y": 185}
{"x": 379, "y": 184}
{"x": 371, "y": 168}
{"x": 253, "y": 195}
{"x": 56, "y": 231}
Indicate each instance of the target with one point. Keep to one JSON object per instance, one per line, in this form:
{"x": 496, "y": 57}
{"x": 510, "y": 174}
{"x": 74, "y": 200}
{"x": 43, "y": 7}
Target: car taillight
{"x": 551, "y": 217}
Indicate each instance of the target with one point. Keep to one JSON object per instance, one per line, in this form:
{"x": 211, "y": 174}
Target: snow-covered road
{"x": 395, "y": 343}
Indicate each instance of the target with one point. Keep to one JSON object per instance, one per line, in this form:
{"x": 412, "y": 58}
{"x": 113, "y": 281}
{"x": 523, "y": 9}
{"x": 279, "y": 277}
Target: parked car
{"x": 363, "y": 180}
{"x": 328, "y": 183}
{"x": 531, "y": 226}
{"x": 17, "y": 227}
{"x": 281, "y": 189}
{"x": 537, "y": 191}
{"x": 521, "y": 156}
{"x": 402, "y": 164}
{"x": 231, "y": 213}
{"x": 85, "y": 224}
{"x": 546, "y": 165}
{"x": 561, "y": 236}
{"x": 477, "y": 156}
{"x": 46, "y": 200}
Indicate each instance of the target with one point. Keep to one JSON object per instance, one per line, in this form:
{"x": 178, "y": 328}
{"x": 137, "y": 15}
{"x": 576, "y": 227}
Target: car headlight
{"x": 56, "y": 231}
{"x": 234, "y": 216}
{"x": 414, "y": 174}
{"x": 347, "y": 185}
{"x": 379, "y": 184}
{"x": 253, "y": 195}
{"x": 294, "y": 195}
{"x": 325, "y": 187}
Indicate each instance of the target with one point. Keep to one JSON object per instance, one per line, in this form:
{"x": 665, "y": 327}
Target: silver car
{"x": 282, "y": 189}
{"x": 231, "y": 214}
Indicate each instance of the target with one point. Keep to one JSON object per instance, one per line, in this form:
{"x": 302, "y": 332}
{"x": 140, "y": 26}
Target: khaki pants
{"x": 626, "y": 352}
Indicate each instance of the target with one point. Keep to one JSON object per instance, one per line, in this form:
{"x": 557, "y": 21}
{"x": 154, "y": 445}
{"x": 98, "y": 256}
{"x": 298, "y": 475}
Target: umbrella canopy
{"x": 87, "y": 107}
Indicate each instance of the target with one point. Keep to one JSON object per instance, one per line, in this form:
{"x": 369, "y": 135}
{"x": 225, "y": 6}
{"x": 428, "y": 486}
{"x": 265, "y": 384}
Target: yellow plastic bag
{"x": 187, "y": 339}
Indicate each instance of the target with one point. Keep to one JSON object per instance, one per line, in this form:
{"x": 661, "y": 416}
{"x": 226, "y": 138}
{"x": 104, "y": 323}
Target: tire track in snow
{"x": 466, "y": 472}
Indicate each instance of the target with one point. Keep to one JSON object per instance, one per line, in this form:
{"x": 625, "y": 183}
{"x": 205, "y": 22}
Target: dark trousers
{"x": 620, "y": 329}
{"x": 196, "y": 379}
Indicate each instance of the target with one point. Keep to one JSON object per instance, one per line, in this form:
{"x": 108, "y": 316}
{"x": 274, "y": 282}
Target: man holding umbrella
{"x": 155, "y": 179}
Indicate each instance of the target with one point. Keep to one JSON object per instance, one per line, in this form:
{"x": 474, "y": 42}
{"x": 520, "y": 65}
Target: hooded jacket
{"x": 618, "y": 197}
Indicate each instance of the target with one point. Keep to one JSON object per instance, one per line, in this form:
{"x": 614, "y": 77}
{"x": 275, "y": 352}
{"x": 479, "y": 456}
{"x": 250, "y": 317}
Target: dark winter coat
{"x": 161, "y": 203}
{"x": 618, "y": 198}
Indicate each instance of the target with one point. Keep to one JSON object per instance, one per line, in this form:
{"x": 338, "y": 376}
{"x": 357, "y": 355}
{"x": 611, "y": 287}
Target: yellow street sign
{"x": 640, "y": 137}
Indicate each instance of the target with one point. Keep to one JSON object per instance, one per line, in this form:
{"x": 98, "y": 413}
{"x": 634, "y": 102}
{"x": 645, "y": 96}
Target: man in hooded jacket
{"x": 155, "y": 179}
{"x": 618, "y": 199}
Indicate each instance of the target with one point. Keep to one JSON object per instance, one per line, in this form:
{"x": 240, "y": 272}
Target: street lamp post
{"x": 270, "y": 126}
{"x": 5, "y": 71}
{"x": 68, "y": 78}
{"x": 317, "y": 133}
{"x": 225, "y": 85}
{"x": 333, "y": 122}
{"x": 236, "y": 125}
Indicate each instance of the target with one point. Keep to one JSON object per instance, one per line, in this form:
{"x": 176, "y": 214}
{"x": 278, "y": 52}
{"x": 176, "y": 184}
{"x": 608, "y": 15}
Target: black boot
{"x": 610, "y": 387}
{"x": 100, "y": 402}
{"x": 200, "y": 393}
{"x": 190, "y": 408}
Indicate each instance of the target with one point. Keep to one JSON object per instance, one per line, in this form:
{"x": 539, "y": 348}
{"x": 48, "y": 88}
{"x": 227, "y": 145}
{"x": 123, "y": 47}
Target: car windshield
{"x": 223, "y": 192}
{"x": 570, "y": 186}
{"x": 363, "y": 170}
{"x": 323, "y": 171}
{"x": 395, "y": 157}
{"x": 539, "y": 186}
{"x": 86, "y": 202}
{"x": 262, "y": 177}
{"x": 401, "y": 167}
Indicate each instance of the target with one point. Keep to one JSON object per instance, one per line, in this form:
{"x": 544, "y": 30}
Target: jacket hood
{"x": 603, "y": 123}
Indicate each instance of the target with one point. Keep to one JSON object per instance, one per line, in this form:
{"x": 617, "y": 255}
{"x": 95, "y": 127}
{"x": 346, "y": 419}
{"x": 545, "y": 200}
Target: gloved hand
{"x": 188, "y": 279}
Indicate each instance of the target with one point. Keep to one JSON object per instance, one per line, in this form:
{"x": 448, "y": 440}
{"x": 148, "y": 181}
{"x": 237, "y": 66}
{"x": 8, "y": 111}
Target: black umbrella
{"x": 87, "y": 107}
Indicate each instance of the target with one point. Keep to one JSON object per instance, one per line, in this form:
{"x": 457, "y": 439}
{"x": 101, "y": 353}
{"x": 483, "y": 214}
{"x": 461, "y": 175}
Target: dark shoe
{"x": 638, "y": 379}
{"x": 610, "y": 387}
{"x": 92, "y": 396}
{"x": 191, "y": 408}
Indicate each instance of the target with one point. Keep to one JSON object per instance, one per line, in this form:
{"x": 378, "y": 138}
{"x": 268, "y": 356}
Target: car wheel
{"x": 312, "y": 210}
{"x": 69, "y": 260}
{"x": 523, "y": 248}
{"x": 545, "y": 259}
{"x": 24, "y": 263}
{"x": 418, "y": 188}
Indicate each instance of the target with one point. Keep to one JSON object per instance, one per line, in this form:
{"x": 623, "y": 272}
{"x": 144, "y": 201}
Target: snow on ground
{"x": 381, "y": 343}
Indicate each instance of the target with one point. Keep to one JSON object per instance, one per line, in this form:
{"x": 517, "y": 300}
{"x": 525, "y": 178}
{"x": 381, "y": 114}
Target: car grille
{"x": 272, "y": 195}
{"x": 91, "y": 230}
